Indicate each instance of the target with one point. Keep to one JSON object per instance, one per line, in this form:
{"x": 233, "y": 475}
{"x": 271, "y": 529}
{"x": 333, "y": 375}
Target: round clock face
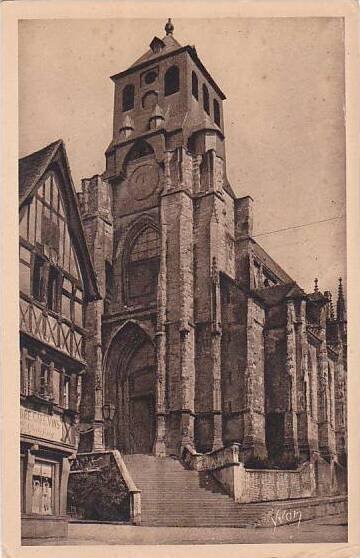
{"x": 144, "y": 181}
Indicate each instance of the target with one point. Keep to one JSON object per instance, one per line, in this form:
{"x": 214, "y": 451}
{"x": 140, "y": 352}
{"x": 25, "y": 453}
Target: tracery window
{"x": 143, "y": 264}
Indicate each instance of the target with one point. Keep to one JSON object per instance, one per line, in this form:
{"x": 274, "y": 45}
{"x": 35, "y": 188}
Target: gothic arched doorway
{"x": 141, "y": 390}
{"x": 130, "y": 386}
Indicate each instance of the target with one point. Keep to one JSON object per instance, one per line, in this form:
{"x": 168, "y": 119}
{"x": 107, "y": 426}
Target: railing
{"x": 39, "y": 323}
{"x": 223, "y": 457}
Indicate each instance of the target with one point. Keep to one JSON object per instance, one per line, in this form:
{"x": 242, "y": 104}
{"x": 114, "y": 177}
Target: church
{"x": 205, "y": 340}
{"x": 201, "y": 351}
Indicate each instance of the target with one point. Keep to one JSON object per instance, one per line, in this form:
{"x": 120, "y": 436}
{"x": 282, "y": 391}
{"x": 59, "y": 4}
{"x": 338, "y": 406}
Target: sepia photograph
{"x": 183, "y": 286}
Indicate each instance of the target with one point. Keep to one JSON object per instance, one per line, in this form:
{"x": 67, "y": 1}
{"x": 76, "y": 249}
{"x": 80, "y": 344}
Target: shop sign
{"x": 39, "y": 425}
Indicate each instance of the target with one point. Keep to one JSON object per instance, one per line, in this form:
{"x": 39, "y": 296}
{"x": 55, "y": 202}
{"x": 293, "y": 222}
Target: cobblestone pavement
{"x": 325, "y": 529}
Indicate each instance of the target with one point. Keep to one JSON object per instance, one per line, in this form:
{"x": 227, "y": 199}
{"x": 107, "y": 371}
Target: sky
{"x": 284, "y": 116}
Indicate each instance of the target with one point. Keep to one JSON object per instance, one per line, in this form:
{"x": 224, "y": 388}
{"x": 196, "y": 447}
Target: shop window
{"x": 172, "y": 81}
{"x": 195, "y": 85}
{"x": 216, "y": 112}
{"x": 128, "y": 97}
{"x": 43, "y": 488}
{"x": 206, "y": 104}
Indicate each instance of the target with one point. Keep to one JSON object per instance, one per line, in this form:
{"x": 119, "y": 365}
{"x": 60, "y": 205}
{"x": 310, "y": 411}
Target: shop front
{"x": 44, "y": 472}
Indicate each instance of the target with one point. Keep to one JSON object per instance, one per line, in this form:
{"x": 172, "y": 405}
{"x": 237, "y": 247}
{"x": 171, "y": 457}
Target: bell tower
{"x": 173, "y": 219}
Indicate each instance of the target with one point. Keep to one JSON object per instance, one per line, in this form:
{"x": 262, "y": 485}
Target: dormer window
{"x": 216, "y": 112}
{"x": 195, "y": 85}
{"x": 206, "y": 99}
{"x": 157, "y": 45}
{"x": 128, "y": 97}
{"x": 172, "y": 80}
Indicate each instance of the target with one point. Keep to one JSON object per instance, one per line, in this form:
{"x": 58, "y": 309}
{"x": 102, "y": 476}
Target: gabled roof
{"x": 33, "y": 166}
{"x": 31, "y": 170}
{"x": 170, "y": 45}
{"x": 273, "y": 295}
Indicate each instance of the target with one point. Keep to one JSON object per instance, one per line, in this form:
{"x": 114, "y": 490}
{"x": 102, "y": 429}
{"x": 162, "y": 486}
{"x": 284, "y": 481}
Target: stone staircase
{"x": 174, "y": 496}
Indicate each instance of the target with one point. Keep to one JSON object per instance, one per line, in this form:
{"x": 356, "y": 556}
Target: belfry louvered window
{"x": 128, "y": 97}
{"x": 206, "y": 104}
{"x": 171, "y": 81}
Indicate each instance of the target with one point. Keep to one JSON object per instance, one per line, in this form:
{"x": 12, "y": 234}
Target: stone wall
{"x": 264, "y": 485}
{"x": 96, "y": 213}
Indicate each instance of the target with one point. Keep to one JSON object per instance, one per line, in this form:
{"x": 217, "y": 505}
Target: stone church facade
{"x": 200, "y": 339}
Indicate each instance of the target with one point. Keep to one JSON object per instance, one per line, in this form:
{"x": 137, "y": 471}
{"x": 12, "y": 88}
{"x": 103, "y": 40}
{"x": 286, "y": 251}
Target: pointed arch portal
{"x": 130, "y": 386}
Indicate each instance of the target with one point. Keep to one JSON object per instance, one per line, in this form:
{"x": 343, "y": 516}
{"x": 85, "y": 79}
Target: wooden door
{"x": 142, "y": 423}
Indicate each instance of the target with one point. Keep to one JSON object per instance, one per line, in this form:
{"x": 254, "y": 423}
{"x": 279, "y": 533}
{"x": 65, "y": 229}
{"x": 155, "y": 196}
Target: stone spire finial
{"x": 330, "y": 315}
{"x": 316, "y": 287}
{"x": 341, "y": 310}
{"x": 169, "y": 28}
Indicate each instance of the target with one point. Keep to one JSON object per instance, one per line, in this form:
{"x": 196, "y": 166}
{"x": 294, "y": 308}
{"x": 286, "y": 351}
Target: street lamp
{"x": 108, "y": 412}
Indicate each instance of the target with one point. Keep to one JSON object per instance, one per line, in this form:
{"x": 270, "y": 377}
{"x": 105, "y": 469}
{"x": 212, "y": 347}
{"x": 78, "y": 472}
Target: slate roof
{"x": 33, "y": 166}
{"x": 171, "y": 45}
{"x": 271, "y": 264}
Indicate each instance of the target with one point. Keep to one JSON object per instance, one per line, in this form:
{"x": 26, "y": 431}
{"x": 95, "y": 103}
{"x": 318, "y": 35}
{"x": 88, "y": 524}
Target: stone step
{"x": 174, "y": 496}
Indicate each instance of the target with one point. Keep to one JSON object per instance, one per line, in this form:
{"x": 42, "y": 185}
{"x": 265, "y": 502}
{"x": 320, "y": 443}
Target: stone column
{"x": 186, "y": 329}
{"x": 216, "y": 333}
{"x": 176, "y": 292}
{"x": 160, "y": 339}
{"x": 65, "y": 470}
{"x": 216, "y": 244}
{"x": 96, "y": 216}
{"x": 30, "y": 462}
